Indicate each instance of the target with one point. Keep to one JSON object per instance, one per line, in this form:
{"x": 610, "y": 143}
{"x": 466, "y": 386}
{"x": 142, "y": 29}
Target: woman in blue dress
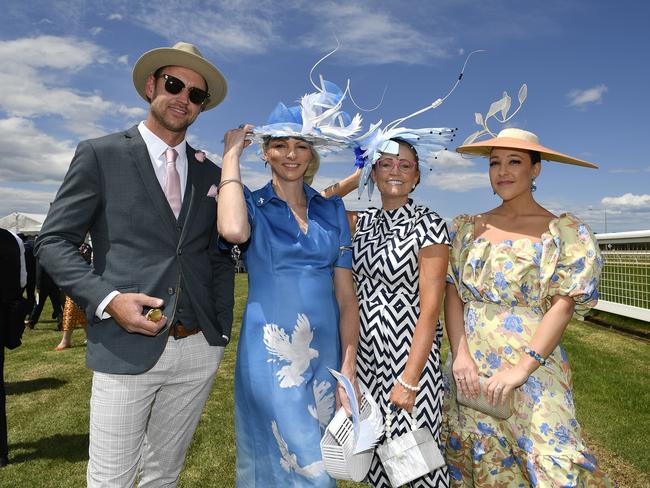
{"x": 302, "y": 313}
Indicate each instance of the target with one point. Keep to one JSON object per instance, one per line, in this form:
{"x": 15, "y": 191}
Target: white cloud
{"x": 627, "y": 201}
{"x": 24, "y": 200}
{"x": 582, "y": 98}
{"x": 371, "y": 36}
{"x": 457, "y": 181}
{"x": 123, "y": 59}
{"x": 40, "y": 68}
{"x": 115, "y": 17}
{"x": 29, "y": 155}
{"x": 449, "y": 160}
{"x": 95, "y": 31}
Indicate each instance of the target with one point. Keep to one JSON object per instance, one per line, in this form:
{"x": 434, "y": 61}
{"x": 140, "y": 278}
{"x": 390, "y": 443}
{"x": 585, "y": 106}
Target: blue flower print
{"x": 500, "y": 280}
{"x": 533, "y": 388}
{"x": 590, "y": 461}
{"x": 579, "y": 265}
{"x": 454, "y": 472}
{"x": 545, "y": 428}
{"x": 538, "y": 253}
{"x": 477, "y": 451}
{"x": 507, "y": 265}
{"x": 582, "y": 231}
{"x": 507, "y": 350}
{"x": 513, "y": 324}
{"x": 531, "y": 473}
{"x": 452, "y": 234}
{"x": 478, "y": 355}
{"x": 470, "y": 320}
{"x": 493, "y": 297}
{"x": 493, "y": 360}
{"x": 562, "y": 435}
{"x": 485, "y": 429}
{"x": 454, "y": 443}
{"x": 568, "y": 398}
{"x": 525, "y": 443}
{"x": 507, "y": 242}
{"x": 476, "y": 263}
{"x": 507, "y": 462}
{"x": 555, "y": 278}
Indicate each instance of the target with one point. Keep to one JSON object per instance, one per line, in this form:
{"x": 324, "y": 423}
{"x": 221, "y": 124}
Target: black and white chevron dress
{"x": 385, "y": 264}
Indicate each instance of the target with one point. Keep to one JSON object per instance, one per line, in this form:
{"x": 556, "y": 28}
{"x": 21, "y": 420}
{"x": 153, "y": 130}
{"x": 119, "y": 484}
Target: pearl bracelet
{"x": 407, "y": 386}
{"x": 535, "y": 355}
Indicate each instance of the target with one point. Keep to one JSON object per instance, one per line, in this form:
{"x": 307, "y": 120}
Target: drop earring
{"x": 533, "y": 186}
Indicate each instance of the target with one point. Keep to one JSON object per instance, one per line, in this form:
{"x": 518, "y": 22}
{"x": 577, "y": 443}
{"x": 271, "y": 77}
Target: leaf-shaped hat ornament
{"x": 500, "y": 107}
{"x": 426, "y": 141}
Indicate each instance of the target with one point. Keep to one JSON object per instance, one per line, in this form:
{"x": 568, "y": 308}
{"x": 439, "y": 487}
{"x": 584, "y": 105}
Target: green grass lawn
{"x": 48, "y": 394}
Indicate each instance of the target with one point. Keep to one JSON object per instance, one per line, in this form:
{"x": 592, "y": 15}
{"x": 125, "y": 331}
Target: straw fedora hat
{"x": 522, "y": 140}
{"x": 187, "y": 56}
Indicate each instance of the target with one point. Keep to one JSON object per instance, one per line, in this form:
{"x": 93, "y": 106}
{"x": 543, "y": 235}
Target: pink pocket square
{"x": 213, "y": 191}
{"x": 200, "y": 156}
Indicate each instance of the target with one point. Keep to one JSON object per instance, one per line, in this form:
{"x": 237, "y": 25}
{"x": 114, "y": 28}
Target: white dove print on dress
{"x": 324, "y": 408}
{"x": 295, "y": 351}
{"x": 289, "y": 461}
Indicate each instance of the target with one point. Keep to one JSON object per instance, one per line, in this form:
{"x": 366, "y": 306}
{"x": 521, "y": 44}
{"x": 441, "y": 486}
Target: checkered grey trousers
{"x": 141, "y": 425}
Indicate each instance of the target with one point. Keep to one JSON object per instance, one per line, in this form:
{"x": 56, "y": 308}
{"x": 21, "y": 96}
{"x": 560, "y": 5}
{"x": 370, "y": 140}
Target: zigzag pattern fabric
{"x": 385, "y": 264}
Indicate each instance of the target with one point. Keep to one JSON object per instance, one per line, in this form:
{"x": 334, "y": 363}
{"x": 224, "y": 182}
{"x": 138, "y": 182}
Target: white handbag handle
{"x": 389, "y": 417}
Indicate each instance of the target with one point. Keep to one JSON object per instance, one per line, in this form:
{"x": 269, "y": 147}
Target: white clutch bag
{"x": 409, "y": 456}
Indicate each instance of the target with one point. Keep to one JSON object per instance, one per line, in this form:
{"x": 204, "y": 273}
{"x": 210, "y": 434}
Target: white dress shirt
{"x": 156, "y": 148}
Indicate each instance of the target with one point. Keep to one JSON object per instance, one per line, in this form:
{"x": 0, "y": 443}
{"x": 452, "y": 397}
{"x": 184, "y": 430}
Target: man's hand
{"x": 126, "y": 309}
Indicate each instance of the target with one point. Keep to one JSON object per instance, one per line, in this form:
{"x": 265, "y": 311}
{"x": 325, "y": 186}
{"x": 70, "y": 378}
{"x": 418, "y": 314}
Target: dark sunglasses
{"x": 174, "y": 86}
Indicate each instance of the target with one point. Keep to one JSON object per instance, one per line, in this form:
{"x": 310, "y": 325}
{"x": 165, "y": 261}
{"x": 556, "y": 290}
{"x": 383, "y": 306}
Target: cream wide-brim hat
{"x": 187, "y": 56}
{"x": 522, "y": 140}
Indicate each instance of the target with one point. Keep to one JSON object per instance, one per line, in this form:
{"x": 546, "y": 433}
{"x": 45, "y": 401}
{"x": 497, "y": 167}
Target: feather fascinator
{"x": 318, "y": 118}
{"x": 426, "y": 141}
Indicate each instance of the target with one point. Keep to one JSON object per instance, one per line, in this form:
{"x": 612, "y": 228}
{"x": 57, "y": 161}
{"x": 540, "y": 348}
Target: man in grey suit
{"x": 142, "y": 195}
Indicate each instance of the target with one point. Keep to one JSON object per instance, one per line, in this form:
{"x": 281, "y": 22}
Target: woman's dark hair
{"x": 535, "y": 157}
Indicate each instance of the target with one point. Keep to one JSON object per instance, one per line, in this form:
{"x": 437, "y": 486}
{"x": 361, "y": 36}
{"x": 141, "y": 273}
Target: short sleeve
{"x": 460, "y": 227}
{"x": 431, "y": 229}
{"x": 345, "y": 242}
{"x": 579, "y": 264}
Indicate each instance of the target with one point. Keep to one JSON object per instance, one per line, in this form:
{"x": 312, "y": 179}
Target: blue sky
{"x": 66, "y": 76}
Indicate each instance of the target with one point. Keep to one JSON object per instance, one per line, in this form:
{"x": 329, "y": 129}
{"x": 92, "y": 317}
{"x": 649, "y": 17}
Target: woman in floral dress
{"x": 517, "y": 275}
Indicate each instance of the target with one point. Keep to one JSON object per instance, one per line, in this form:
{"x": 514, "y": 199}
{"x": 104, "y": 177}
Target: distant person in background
{"x": 46, "y": 288}
{"x": 12, "y": 281}
{"x": 30, "y": 263}
{"x": 73, "y": 315}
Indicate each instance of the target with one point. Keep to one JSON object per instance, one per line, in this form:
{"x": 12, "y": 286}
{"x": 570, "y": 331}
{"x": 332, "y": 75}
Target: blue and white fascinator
{"x": 318, "y": 118}
{"x": 428, "y": 142}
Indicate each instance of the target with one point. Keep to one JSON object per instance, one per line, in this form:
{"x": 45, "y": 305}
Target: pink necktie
{"x": 173, "y": 183}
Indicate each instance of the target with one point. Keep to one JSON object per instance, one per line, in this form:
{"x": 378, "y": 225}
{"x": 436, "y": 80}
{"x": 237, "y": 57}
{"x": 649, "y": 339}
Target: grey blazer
{"x": 112, "y": 192}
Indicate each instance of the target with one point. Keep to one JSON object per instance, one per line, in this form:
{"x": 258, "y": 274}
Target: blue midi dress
{"x": 284, "y": 393}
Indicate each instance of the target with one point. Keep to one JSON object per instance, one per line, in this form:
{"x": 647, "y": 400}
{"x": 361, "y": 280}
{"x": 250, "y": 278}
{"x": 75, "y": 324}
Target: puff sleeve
{"x": 461, "y": 230}
{"x": 579, "y": 263}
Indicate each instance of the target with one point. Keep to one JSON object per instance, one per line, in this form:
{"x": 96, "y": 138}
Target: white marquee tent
{"x": 27, "y": 223}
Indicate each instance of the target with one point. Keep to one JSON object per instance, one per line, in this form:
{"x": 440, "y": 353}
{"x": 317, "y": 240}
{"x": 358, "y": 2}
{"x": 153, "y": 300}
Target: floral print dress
{"x": 506, "y": 288}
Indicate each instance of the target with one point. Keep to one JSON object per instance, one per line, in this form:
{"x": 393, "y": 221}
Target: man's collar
{"x": 157, "y": 145}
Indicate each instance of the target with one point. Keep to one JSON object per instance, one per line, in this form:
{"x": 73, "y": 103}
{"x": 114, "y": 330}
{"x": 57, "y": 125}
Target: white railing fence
{"x": 625, "y": 281}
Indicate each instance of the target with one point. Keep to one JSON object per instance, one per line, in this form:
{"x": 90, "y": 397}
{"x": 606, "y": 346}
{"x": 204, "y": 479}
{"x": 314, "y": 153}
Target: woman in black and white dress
{"x": 400, "y": 255}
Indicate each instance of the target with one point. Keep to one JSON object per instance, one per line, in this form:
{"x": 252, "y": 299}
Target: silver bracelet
{"x": 229, "y": 180}
{"x": 407, "y": 386}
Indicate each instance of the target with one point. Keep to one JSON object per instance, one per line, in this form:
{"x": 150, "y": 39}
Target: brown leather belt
{"x": 178, "y": 331}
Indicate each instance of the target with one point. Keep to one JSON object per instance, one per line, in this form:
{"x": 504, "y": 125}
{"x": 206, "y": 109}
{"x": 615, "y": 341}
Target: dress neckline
{"x": 547, "y": 233}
